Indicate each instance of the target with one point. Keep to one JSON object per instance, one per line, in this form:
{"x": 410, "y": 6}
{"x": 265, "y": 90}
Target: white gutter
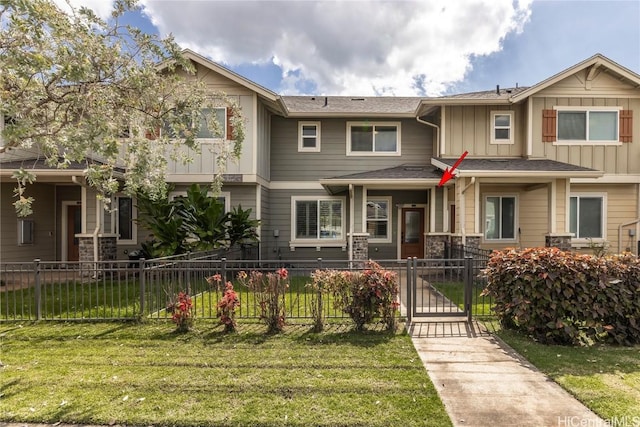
{"x": 437, "y": 133}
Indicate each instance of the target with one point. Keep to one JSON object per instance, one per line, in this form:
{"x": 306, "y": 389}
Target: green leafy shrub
{"x": 365, "y": 296}
{"x": 270, "y": 290}
{"x": 564, "y": 298}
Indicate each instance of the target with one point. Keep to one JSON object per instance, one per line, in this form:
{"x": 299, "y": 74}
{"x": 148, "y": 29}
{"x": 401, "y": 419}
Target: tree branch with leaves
{"x": 76, "y": 88}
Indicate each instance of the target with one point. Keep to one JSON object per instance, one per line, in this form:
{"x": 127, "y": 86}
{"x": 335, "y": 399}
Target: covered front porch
{"x": 500, "y": 203}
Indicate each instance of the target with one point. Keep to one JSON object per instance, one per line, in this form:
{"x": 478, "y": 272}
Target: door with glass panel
{"x": 412, "y": 233}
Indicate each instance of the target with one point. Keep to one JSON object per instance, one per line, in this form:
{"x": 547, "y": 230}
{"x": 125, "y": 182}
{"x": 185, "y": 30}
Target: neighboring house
{"x": 357, "y": 177}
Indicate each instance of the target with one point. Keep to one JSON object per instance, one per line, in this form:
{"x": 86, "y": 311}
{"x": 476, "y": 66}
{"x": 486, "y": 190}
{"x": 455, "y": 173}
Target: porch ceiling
{"x": 515, "y": 167}
{"x": 402, "y": 176}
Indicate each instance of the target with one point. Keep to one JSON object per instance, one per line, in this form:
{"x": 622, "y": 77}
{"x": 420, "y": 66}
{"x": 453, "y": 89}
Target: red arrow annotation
{"x": 448, "y": 173}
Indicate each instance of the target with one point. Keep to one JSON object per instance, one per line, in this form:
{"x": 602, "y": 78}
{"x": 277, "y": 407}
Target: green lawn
{"x": 145, "y": 374}
{"x": 605, "y": 378}
{"x": 454, "y": 291}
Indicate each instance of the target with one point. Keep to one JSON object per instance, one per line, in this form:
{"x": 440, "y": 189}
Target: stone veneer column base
{"x": 359, "y": 247}
{"x": 435, "y": 245}
{"x": 107, "y": 250}
{"x": 470, "y": 240}
{"x": 560, "y": 241}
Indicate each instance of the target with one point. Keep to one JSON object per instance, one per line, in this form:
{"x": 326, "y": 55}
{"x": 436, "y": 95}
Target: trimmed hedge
{"x": 564, "y": 298}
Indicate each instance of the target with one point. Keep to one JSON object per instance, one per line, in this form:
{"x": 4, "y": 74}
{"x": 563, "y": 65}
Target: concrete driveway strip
{"x": 483, "y": 382}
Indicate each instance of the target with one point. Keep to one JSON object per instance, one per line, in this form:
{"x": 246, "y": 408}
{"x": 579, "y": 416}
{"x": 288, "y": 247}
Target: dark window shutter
{"x": 152, "y": 134}
{"x": 549, "y": 125}
{"x": 626, "y": 125}
{"x": 229, "y": 134}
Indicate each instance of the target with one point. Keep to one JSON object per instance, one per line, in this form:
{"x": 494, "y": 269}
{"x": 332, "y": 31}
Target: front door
{"x": 412, "y": 233}
{"x": 74, "y": 226}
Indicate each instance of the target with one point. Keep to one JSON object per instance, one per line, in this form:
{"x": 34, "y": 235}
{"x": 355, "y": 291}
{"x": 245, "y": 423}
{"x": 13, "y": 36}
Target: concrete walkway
{"x": 483, "y": 382}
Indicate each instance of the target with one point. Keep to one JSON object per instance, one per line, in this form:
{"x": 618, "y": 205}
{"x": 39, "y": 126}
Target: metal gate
{"x": 439, "y": 288}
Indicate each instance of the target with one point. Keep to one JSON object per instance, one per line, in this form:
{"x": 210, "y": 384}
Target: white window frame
{"x": 494, "y": 127}
{"x": 301, "y": 138}
{"x": 365, "y": 219}
{"x": 224, "y": 128}
{"x": 296, "y": 242}
{"x": 515, "y": 218}
{"x": 587, "y": 240}
{"x": 30, "y": 223}
{"x": 115, "y": 221}
{"x": 588, "y": 110}
{"x": 225, "y": 194}
{"x": 375, "y": 153}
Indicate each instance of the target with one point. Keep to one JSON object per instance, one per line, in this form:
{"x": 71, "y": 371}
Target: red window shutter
{"x": 229, "y": 135}
{"x": 549, "y": 125}
{"x": 626, "y": 125}
{"x": 152, "y": 133}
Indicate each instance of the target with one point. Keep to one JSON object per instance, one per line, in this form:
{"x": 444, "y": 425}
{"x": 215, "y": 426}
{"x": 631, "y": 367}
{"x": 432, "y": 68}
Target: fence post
{"x": 143, "y": 285}
{"x": 409, "y": 294}
{"x": 38, "y": 288}
{"x": 468, "y": 285}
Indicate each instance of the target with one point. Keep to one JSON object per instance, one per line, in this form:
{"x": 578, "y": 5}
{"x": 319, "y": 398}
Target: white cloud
{"x": 102, "y": 8}
{"x": 347, "y": 47}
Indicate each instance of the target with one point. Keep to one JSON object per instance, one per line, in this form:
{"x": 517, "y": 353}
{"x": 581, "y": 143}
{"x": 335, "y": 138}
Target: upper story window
{"x": 220, "y": 116}
{"x": 373, "y": 138}
{"x": 502, "y": 127}
{"x": 309, "y": 136}
{"x": 500, "y": 218}
{"x": 587, "y": 125}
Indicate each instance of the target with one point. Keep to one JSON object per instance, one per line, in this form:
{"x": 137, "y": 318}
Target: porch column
{"x": 558, "y": 236}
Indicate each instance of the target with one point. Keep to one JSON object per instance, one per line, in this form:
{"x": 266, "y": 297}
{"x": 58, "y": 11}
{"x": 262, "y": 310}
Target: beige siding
{"x": 204, "y": 163}
{"x": 622, "y": 202}
{"x": 264, "y": 142}
{"x": 468, "y": 128}
{"x": 611, "y": 159}
{"x": 44, "y": 224}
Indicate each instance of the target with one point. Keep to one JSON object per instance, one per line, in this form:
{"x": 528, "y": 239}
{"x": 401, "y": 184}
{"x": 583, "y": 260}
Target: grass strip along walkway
{"x": 146, "y": 374}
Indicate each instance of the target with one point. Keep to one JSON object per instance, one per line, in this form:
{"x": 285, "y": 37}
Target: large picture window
{"x": 500, "y": 218}
{"x": 588, "y": 125}
{"x": 318, "y": 219}
{"x": 378, "y": 218}
{"x": 586, "y": 216}
{"x": 380, "y": 138}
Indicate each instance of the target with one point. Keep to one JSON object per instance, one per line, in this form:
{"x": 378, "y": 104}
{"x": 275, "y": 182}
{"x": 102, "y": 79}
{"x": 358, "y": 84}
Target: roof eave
{"x": 354, "y": 114}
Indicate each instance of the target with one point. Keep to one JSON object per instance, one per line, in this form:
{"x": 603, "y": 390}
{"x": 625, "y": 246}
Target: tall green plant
{"x": 168, "y": 230}
{"x": 204, "y": 218}
{"x": 241, "y": 228}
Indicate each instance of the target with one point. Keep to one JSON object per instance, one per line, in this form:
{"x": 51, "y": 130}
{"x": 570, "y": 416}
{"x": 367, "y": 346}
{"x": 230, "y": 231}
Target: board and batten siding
{"x": 287, "y": 164}
{"x": 44, "y": 224}
{"x": 469, "y": 128}
{"x": 204, "y": 163}
{"x": 610, "y": 159}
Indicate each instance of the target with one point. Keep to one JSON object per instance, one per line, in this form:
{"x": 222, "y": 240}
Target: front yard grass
{"x": 605, "y": 378}
{"x": 146, "y": 374}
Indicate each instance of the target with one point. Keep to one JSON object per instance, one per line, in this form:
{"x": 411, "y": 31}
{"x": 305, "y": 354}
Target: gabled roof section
{"x": 354, "y": 106}
{"x": 498, "y": 96}
{"x": 597, "y": 61}
{"x": 237, "y": 78}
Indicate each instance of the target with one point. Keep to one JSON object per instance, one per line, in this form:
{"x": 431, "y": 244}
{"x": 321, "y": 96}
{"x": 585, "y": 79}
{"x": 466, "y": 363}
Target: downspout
{"x": 74, "y": 179}
{"x": 351, "y": 222}
{"x": 463, "y": 219}
{"x": 437, "y": 133}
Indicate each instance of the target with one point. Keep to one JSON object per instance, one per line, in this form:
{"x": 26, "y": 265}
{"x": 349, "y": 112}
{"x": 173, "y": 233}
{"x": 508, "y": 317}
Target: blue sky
{"x": 396, "y": 48}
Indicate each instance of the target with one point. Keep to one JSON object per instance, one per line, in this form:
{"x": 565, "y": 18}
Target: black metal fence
{"x": 136, "y": 289}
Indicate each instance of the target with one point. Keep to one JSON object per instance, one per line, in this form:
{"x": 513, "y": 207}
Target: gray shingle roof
{"x": 505, "y": 93}
{"x": 351, "y": 104}
{"x": 397, "y": 172}
{"x": 513, "y": 164}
